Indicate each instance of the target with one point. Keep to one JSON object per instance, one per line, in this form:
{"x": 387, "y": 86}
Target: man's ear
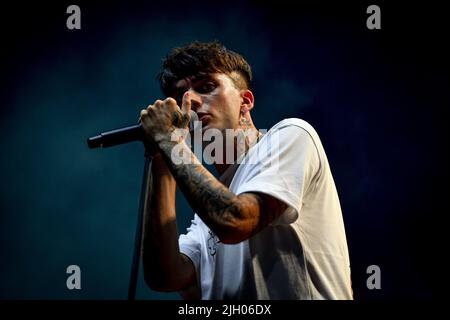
{"x": 247, "y": 101}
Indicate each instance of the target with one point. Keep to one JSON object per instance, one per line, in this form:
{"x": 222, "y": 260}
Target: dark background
{"x": 378, "y": 99}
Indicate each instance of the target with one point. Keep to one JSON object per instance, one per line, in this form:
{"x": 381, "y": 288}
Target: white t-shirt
{"x": 301, "y": 255}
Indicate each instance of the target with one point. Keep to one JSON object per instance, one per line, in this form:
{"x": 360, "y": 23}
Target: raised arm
{"x": 232, "y": 218}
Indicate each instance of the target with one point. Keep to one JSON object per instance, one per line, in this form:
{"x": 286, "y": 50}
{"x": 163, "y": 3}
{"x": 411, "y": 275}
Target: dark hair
{"x": 202, "y": 58}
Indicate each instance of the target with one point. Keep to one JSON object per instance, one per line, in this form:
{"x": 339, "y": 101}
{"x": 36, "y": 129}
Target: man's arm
{"x": 165, "y": 268}
{"x": 232, "y": 218}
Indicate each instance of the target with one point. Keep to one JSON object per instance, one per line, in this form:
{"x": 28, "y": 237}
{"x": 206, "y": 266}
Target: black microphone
{"x": 126, "y": 134}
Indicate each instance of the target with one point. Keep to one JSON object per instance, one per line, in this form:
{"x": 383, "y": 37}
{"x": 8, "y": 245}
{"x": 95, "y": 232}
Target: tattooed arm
{"x": 232, "y": 218}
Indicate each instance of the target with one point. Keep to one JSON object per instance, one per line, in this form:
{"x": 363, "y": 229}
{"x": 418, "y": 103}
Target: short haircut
{"x": 202, "y": 58}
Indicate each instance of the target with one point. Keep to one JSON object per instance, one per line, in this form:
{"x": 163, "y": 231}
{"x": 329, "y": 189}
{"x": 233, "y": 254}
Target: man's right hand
{"x": 161, "y": 119}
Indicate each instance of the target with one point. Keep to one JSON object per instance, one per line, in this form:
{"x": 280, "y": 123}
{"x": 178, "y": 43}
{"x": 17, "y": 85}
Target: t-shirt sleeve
{"x": 283, "y": 166}
{"x": 190, "y": 243}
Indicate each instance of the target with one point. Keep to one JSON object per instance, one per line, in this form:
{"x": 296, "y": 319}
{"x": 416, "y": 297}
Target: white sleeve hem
{"x": 291, "y": 199}
{"x": 191, "y": 254}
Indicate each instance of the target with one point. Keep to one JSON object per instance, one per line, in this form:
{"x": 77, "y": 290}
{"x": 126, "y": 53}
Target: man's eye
{"x": 206, "y": 87}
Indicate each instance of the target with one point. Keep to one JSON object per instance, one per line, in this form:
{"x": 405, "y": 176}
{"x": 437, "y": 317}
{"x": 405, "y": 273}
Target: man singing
{"x": 271, "y": 226}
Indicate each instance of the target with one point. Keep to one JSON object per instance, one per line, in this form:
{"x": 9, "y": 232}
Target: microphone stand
{"x": 124, "y": 135}
{"x": 146, "y": 179}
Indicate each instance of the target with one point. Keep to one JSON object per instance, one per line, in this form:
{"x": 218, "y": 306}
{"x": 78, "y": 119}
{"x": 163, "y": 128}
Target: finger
{"x": 144, "y": 117}
{"x": 157, "y": 104}
{"x": 186, "y": 103}
{"x": 186, "y": 109}
{"x": 171, "y": 106}
{"x": 143, "y": 114}
{"x": 171, "y": 101}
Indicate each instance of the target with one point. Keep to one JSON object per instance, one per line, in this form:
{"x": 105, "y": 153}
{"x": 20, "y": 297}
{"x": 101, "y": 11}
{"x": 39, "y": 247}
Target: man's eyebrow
{"x": 193, "y": 79}
{"x": 201, "y": 77}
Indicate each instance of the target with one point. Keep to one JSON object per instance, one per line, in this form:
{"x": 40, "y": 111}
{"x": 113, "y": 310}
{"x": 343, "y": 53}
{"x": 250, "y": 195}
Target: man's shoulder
{"x": 295, "y": 122}
{"x": 302, "y": 132}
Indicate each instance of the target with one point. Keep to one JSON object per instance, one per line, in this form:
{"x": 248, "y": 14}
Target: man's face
{"x": 214, "y": 97}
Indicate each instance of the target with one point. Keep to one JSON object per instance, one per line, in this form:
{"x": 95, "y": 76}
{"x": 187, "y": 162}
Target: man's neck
{"x": 239, "y": 148}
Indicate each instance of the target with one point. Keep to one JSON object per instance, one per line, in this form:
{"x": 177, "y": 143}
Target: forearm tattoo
{"x": 215, "y": 203}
